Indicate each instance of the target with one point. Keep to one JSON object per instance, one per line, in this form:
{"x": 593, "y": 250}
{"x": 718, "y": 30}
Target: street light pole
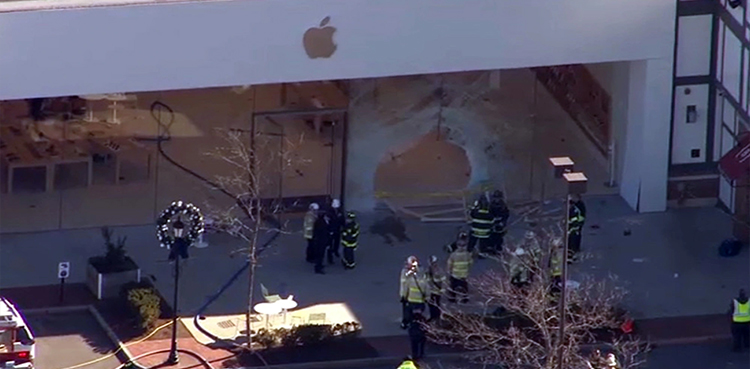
{"x": 564, "y": 282}
{"x": 173, "y": 357}
{"x": 576, "y": 184}
{"x": 177, "y": 253}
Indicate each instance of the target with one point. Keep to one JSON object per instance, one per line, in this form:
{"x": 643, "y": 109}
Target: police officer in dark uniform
{"x": 321, "y": 240}
{"x": 337, "y": 222}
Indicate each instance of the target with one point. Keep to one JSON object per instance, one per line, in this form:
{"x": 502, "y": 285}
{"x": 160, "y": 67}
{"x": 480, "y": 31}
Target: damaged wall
{"x": 506, "y": 132}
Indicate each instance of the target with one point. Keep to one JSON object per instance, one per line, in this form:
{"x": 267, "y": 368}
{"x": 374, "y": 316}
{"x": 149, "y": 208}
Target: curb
{"x": 56, "y": 310}
{"x": 691, "y": 340}
{"x": 354, "y": 363}
{"x": 111, "y": 334}
{"x": 383, "y": 361}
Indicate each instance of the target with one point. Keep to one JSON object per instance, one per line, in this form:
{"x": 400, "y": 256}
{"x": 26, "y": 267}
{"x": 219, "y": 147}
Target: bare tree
{"x": 518, "y": 327}
{"x": 253, "y": 161}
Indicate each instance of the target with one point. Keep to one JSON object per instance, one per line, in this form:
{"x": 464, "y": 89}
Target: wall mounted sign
{"x": 318, "y": 41}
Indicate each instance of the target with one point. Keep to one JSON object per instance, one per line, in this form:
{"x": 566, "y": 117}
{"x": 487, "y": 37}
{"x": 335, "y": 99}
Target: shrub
{"x": 144, "y": 302}
{"x": 115, "y": 259}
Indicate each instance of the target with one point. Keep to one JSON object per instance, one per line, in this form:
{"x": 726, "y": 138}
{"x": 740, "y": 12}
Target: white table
{"x": 267, "y": 309}
{"x": 286, "y": 305}
{"x": 90, "y": 106}
{"x": 114, "y": 98}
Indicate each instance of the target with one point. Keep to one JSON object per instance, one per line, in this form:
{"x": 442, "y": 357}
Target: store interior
{"x": 89, "y": 161}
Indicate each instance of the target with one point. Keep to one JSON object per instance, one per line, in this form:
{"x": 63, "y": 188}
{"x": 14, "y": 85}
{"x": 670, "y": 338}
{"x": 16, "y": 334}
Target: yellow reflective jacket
{"x": 309, "y": 223}
{"x": 459, "y": 264}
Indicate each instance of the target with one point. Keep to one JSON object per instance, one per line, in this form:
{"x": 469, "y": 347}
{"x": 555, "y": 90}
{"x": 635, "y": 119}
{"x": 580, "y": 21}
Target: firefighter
{"x": 555, "y": 264}
{"x": 349, "y": 237}
{"x": 413, "y": 292}
{"x": 408, "y": 363}
{"x": 740, "y": 311}
{"x": 436, "y": 285}
{"x": 309, "y": 224}
{"x": 612, "y": 362}
{"x": 337, "y": 223}
{"x": 500, "y": 213}
{"x": 412, "y": 264}
{"x": 597, "y": 361}
{"x": 519, "y": 270}
{"x": 481, "y": 224}
{"x": 463, "y": 238}
{"x": 417, "y": 336}
{"x": 576, "y": 219}
{"x": 459, "y": 265}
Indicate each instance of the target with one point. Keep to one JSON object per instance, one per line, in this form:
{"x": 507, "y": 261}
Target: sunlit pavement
{"x": 699, "y": 356}
{"x": 68, "y": 339}
{"x": 665, "y": 257}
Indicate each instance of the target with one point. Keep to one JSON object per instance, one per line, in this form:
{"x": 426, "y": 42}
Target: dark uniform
{"x": 501, "y": 213}
{"x": 417, "y": 335}
{"x": 337, "y": 222}
{"x": 576, "y": 219}
{"x": 349, "y": 237}
{"x": 321, "y": 241}
{"x": 481, "y": 225}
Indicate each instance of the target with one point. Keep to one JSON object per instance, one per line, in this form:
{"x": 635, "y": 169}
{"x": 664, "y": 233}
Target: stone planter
{"x": 107, "y": 285}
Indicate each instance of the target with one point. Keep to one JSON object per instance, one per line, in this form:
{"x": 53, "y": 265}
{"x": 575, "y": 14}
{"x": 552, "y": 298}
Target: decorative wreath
{"x": 194, "y": 222}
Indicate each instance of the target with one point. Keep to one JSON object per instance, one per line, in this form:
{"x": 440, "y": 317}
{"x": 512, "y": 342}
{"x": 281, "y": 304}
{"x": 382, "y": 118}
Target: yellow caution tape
{"x": 120, "y": 348}
{"x": 458, "y": 193}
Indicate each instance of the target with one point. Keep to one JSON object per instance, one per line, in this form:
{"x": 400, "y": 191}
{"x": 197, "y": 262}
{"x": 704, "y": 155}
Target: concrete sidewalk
{"x": 669, "y": 262}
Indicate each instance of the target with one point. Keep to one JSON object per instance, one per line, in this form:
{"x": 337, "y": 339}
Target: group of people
{"x": 488, "y": 221}
{"x": 422, "y": 289}
{"x": 326, "y": 231}
{"x": 598, "y": 361}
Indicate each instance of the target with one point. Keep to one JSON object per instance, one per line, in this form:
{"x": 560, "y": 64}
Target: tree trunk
{"x": 251, "y": 275}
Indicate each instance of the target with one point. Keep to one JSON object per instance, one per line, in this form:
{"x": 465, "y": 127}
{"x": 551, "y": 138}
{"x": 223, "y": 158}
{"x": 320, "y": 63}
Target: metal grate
{"x": 226, "y": 324}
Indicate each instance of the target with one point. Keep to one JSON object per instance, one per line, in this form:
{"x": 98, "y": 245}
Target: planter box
{"x": 108, "y": 285}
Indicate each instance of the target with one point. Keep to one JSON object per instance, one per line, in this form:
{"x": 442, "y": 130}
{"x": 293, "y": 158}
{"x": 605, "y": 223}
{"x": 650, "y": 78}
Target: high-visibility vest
{"x": 481, "y": 222}
{"x": 414, "y": 290}
{"x": 460, "y": 263}
{"x": 407, "y": 364}
{"x": 741, "y": 312}
{"x": 575, "y": 220}
{"x": 436, "y": 281}
{"x": 555, "y": 262}
{"x": 310, "y": 219}
{"x": 350, "y": 234}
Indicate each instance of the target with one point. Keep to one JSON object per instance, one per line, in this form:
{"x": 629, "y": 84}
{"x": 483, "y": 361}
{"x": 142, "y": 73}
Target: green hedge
{"x": 306, "y": 334}
{"x": 144, "y": 301}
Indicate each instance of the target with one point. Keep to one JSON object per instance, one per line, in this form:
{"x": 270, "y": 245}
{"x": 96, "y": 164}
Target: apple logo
{"x": 318, "y": 41}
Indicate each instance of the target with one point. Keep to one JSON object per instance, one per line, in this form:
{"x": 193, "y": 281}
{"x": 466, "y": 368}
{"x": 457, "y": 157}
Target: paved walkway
{"x": 68, "y": 339}
{"x": 669, "y": 261}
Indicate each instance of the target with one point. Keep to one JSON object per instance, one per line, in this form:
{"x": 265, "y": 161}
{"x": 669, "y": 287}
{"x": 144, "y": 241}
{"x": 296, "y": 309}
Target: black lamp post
{"x": 576, "y": 185}
{"x": 177, "y": 251}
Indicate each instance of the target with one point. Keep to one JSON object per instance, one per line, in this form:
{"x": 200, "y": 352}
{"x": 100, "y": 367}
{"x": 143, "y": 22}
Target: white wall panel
{"x": 732, "y": 64}
{"x": 726, "y": 193}
{"x": 694, "y": 45}
{"x": 687, "y": 137}
{"x": 720, "y": 51}
{"x": 729, "y": 112}
{"x": 745, "y": 71}
{"x": 719, "y": 114}
{"x": 224, "y": 43}
{"x": 646, "y": 158}
{"x": 737, "y": 13}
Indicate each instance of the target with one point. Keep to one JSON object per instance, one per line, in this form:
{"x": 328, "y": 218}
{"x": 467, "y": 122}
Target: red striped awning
{"x": 735, "y": 164}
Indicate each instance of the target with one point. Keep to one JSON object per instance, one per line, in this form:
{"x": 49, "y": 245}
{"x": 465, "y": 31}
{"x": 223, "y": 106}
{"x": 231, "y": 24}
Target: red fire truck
{"x": 17, "y": 346}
